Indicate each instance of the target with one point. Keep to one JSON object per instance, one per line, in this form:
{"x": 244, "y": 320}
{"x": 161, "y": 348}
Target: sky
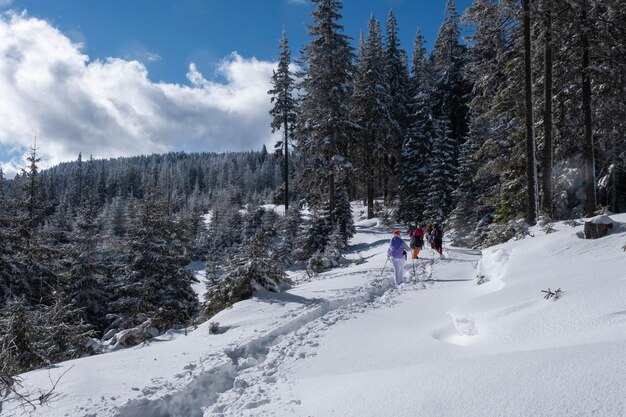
{"x": 120, "y": 78}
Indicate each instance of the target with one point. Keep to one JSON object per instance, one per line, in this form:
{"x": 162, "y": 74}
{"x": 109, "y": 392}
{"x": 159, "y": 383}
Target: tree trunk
{"x": 286, "y": 143}
{"x": 331, "y": 196}
{"x": 370, "y": 197}
{"x": 531, "y": 166}
{"x": 588, "y": 151}
{"x": 547, "y": 113}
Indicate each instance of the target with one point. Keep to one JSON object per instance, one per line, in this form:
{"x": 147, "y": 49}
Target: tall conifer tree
{"x": 284, "y": 111}
{"x": 324, "y": 125}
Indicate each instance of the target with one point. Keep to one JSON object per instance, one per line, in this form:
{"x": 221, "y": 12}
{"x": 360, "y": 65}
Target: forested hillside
{"x": 90, "y": 248}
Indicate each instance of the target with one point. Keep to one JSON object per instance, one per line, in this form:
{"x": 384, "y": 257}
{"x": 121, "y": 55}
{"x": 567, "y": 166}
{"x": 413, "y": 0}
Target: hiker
{"x": 431, "y": 236}
{"x": 438, "y": 239}
{"x": 417, "y": 242}
{"x": 397, "y": 252}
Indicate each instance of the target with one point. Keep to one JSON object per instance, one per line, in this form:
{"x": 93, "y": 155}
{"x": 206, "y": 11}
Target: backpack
{"x": 396, "y": 247}
{"x": 417, "y": 241}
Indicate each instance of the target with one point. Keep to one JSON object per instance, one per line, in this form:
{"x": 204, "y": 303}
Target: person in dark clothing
{"x": 416, "y": 242}
{"x": 438, "y": 239}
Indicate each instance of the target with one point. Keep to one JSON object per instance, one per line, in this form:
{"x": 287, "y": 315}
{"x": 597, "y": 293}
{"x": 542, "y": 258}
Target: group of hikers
{"x": 398, "y": 249}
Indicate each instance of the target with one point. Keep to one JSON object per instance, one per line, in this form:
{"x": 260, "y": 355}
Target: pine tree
{"x": 284, "y": 111}
{"x": 477, "y": 185}
{"x": 154, "y": 284}
{"x": 441, "y": 175}
{"x": 256, "y": 268}
{"x": 417, "y": 140}
{"x": 397, "y": 81}
{"x": 86, "y": 281}
{"x": 78, "y": 183}
{"x": 324, "y": 125}
{"x": 370, "y": 110}
{"x": 450, "y": 95}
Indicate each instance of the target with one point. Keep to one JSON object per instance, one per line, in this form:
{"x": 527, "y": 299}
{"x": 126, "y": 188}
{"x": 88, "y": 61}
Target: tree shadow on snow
{"x": 283, "y": 298}
{"x": 451, "y": 280}
{"x": 360, "y": 247}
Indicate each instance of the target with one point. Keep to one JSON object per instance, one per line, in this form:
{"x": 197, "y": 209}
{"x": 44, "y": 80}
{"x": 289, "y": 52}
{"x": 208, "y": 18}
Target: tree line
{"x": 521, "y": 119}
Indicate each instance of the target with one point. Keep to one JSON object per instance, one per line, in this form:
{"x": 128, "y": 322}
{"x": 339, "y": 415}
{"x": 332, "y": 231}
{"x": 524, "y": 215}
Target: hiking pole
{"x": 383, "y": 271}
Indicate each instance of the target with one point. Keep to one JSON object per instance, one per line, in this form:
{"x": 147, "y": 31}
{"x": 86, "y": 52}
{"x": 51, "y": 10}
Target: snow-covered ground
{"x": 349, "y": 343}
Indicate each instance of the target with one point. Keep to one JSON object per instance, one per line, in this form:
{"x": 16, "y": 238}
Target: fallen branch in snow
{"x": 549, "y": 293}
{"x": 13, "y": 385}
{"x": 572, "y": 222}
{"x": 481, "y": 279}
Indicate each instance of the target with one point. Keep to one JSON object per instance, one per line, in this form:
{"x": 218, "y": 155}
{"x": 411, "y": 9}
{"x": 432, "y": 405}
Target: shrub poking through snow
{"x": 572, "y": 223}
{"x": 500, "y": 233}
{"x": 214, "y": 327}
{"x": 552, "y": 294}
{"x": 481, "y": 279}
{"x": 548, "y": 228}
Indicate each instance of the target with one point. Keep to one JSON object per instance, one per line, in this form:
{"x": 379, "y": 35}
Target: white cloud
{"x": 299, "y": 2}
{"x": 50, "y": 89}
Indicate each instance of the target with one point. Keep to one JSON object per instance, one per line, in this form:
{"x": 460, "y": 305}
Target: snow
{"x": 278, "y": 209}
{"x": 199, "y": 269}
{"x": 348, "y": 342}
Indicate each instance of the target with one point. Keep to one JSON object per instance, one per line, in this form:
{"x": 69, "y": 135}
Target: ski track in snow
{"x": 253, "y": 384}
{"x": 241, "y": 380}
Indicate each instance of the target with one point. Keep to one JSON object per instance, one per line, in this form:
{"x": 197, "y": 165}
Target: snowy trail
{"x": 304, "y": 350}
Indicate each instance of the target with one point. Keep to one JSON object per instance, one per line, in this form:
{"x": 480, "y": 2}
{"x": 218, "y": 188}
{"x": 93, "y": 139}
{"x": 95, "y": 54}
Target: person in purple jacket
{"x": 397, "y": 252}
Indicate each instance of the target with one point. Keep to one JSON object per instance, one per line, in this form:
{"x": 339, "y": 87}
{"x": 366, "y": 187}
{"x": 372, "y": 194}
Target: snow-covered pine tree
{"x": 255, "y": 268}
{"x": 284, "y": 111}
{"x": 608, "y": 51}
{"x": 397, "y": 82}
{"x": 38, "y": 279}
{"x": 474, "y": 194}
{"x": 76, "y": 194}
{"x": 154, "y": 284}
{"x": 450, "y": 95}
{"x": 370, "y": 110}
{"x": 441, "y": 175}
{"x": 290, "y": 226}
{"x": 417, "y": 140}
{"x": 501, "y": 156}
{"x": 324, "y": 125}
{"x": 86, "y": 282}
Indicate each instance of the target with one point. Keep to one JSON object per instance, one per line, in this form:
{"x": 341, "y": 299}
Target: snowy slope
{"x": 349, "y": 343}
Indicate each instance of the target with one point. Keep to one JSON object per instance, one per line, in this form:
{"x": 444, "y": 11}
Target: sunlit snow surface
{"x": 349, "y": 343}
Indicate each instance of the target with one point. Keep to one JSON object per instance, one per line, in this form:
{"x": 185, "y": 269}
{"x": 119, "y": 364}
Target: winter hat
{"x": 396, "y": 233}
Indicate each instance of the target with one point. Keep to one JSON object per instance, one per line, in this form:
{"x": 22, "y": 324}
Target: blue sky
{"x": 171, "y": 54}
